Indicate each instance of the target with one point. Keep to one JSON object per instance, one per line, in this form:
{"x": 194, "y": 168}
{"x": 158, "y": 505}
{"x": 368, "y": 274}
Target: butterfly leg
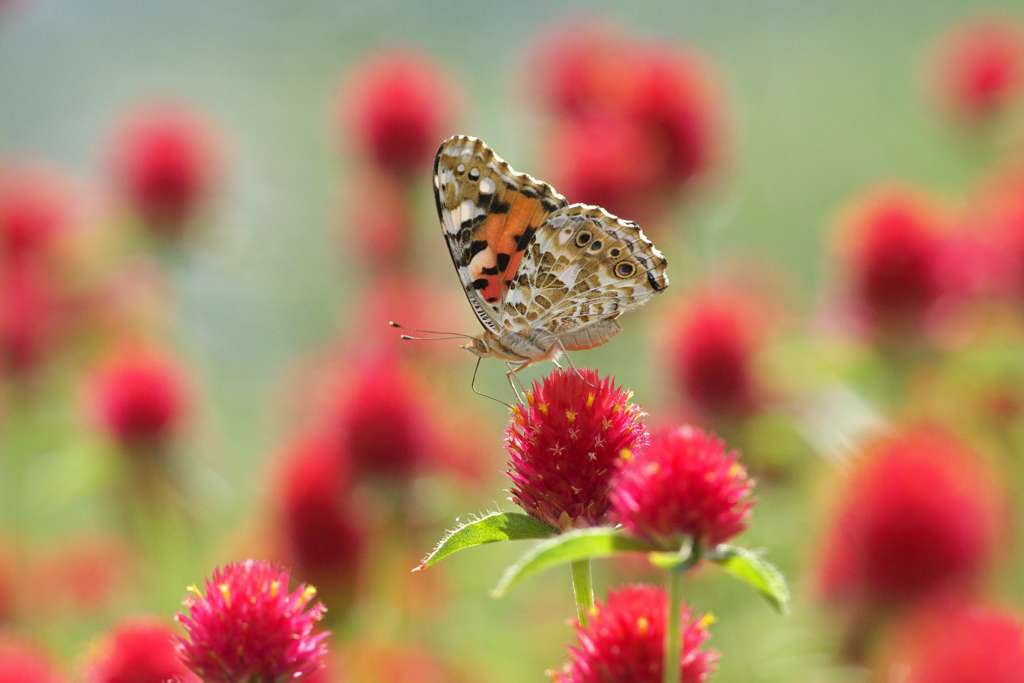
{"x": 472, "y": 385}
{"x": 517, "y": 387}
{"x": 572, "y": 365}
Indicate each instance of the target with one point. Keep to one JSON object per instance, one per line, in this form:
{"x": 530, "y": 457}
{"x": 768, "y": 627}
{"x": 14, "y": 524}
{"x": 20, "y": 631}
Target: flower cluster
{"x": 564, "y": 444}
{"x": 636, "y": 123}
{"x": 138, "y": 650}
{"x": 625, "y": 641}
{"x": 249, "y": 625}
{"x": 684, "y": 484}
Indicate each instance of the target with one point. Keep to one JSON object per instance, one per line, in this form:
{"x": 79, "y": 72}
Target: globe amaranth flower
{"x": 564, "y": 444}
{"x": 955, "y": 642}
{"x": 977, "y": 69}
{"x": 139, "y": 650}
{"x": 29, "y": 319}
{"x": 322, "y": 531}
{"x": 918, "y": 514}
{"x": 624, "y": 642}
{"x": 894, "y": 258}
{"x": 139, "y": 397}
{"x": 165, "y": 164}
{"x": 35, "y": 211}
{"x": 249, "y": 626}
{"x": 381, "y": 420}
{"x": 22, "y": 663}
{"x": 713, "y": 346}
{"x": 397, "y": 107}
{"x": 685, "y": 484}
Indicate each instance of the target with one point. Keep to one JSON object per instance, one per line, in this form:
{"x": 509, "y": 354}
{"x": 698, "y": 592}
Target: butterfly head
{"x": 478, "y": 346}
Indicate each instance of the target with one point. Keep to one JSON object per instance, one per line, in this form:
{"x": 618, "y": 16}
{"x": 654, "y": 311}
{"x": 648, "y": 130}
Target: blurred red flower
{"x": 324, "y": 536}
{"x": 139, "y": 397}
{"x": 382, "y": 421}
{"x": 894, "y": 248}
{"x": 918, "y": 514}
{"x": 564, "y": 444}
{"x": 713, "y": 345}
{"x": 21, "y": 663}
{"x": 978, "y": 68}
{"x": 684, "y": 484}
{"x": 997, "y": 224}
{"x": 673, "y": 98}
{"x": 139, "y": 650}
{"x": 606, "y": 160}
{"x": 625, "y": 641}
{"x": 956, "y": 642}
{"x": 581, "y": 69}
{"x": 166, "y": 165}
{"x": 398, "y": 106}
{"x": 248, "y": 626}
{"x": 35, "y": 210}
{"x": 29, "y": 318}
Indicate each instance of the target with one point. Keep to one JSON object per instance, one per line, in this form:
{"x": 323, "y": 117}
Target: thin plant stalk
{"x": 583, "y": 589}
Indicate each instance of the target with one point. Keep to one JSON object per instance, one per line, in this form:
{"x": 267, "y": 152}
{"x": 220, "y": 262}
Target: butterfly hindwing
{"x": 584, "y": 268}
{"x": 490, "y": 214}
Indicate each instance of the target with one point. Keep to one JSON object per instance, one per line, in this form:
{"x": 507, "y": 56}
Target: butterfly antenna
{"x": 435, "y": 335}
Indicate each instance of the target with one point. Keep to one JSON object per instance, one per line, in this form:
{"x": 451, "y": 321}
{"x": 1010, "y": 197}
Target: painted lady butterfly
{"x": 542, "y": 275}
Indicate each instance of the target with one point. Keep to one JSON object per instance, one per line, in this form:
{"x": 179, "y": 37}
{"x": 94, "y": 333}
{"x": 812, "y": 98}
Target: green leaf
{"x": 583, "y": 544}
{"x": 493, "y": 527}
{"x": 753, "y": 570}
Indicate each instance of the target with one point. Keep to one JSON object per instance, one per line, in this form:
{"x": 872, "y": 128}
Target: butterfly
{"x": 543, "y": 276}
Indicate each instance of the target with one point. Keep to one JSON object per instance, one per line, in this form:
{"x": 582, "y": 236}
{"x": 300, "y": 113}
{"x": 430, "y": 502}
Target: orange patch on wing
{"x": 502, "y": 231}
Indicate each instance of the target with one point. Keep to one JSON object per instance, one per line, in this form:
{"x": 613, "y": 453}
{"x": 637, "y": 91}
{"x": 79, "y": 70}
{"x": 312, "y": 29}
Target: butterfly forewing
{"x": 489, "y": 214}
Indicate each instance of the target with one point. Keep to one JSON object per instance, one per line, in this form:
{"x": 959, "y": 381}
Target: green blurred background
{"x": 823, "y": 99}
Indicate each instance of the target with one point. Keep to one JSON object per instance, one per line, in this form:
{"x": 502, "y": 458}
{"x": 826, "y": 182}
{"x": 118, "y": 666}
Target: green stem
{"x": 582, "y": 589}
{"x": 673, "y": 641}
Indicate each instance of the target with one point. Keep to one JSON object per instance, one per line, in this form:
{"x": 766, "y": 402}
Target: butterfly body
{"x": 543, "y": 276}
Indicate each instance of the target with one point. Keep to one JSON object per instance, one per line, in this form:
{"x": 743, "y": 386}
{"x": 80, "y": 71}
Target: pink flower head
{"x": 248, "y": 626}
{"x": 918, "y": 515}
{"x": 35, "y": 211}
{"x": 139, "y": 651}
{"x": 956, "y": 642}
{"x": 684, "y": 484}
{"x": 29, "y": 318}
{"x": 581, "y": 69}
{"x": 624, "y": 640}
{"x": 383, "y": 422}
{"x": 564, "y": 444}
{"x": 166, "y": 165}
{"x": 894, "y": 239}
{"x": 713, "y": 348}
{"x": 399, "y": 107}
{"x": 21, "y": 663}
{"x": 139, "y": 397}
{"x": 978, "y": 68}
{"x": 323, "y": 534}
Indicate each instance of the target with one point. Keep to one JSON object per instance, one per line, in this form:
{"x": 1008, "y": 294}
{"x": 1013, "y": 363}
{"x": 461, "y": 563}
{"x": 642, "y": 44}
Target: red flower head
{"x": 383, "y": 422}
{"x": 978, "y": 68}
{"x": 323, "y": 535}
{"x": 918, "y": 515}
{"x": 684, "y": 484}
{"x": 20, "y": 663}
{"x": 399, "y": 107}
{"x": 34, "y": 211}
{"x": 139, "y": 398}
{"x": 713, "y": 348}
{"x": 625, "y": 641}
{"x": 609, "y": 161}
{"x": 564, "y": 444}
{"x": 166, "y": 166}
{"x": 139, "y": 651}
{"x": 674, "y": 99}
{"x": 956, "y": 643}
{"x": 28, "y": 318}
{"x": 582, "y": 69}
{"x": 895, "y": 257}
{"x": 248, "y": 626}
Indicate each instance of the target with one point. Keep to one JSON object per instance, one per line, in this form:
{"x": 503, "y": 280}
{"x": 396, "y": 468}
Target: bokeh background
{"x": 273, "y": 304}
